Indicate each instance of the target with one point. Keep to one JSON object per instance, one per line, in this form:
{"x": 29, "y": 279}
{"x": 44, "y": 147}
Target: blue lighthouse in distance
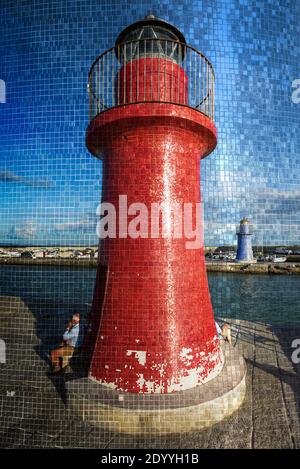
{"x": 244, "y": 249}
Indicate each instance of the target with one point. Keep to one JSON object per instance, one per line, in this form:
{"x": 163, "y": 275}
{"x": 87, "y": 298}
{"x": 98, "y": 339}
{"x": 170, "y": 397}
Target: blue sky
{"x": 49, "y": 184}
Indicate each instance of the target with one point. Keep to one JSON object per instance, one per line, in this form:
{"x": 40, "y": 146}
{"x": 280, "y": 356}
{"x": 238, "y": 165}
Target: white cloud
{"x": 9, "y": 176}
{"x": 75, "y": 225}
{"x": 27, "y": 230}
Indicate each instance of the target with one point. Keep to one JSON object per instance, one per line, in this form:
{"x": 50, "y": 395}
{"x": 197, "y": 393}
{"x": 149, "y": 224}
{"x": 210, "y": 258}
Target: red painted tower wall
{"x": 157, "y": 332}
{"x": 157, "y": 329}
{"x": 151, "y": 79}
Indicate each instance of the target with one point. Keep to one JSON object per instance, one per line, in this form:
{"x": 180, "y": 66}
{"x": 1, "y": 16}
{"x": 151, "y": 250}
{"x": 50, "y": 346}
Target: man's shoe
{"x": 55, "y": 370}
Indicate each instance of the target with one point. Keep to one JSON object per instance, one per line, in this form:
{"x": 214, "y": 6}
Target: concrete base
{"x": 160, "y": 414}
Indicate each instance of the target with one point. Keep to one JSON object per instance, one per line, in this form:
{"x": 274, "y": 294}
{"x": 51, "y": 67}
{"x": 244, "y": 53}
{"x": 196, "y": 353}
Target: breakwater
{"x": 272, "y": 268}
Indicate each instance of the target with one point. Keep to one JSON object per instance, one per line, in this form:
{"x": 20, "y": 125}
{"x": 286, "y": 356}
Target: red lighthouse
{"x": 152, "y": 329}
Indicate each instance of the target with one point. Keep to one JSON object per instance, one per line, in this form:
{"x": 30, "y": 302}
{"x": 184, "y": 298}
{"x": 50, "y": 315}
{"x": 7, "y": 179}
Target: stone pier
{"x": 34, "y": 406}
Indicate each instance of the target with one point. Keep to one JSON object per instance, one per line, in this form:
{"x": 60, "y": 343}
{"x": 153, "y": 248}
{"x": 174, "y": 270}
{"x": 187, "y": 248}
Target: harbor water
{"x": 274, "y": 300}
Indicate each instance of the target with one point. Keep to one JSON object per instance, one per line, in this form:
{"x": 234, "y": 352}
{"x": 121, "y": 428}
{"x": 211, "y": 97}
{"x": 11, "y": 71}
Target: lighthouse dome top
{"x": 150, "y": 27}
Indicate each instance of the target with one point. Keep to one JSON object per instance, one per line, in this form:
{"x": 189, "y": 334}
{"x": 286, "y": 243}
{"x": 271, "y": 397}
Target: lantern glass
{"x": 150, "y": 41}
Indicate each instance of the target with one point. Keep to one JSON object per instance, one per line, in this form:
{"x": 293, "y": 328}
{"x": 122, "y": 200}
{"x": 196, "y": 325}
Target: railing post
{"x": 171, "y": 91}
{"x": 103, "y": 81}
{"x": 124, "y": 85}
{"x": 90, "y": 99}
{"x": 158, "y": 74}
{"x": 113, "y": 98}
{"x": 131, "y": 72}
{"x": 208, "y": 88}
{"x": 195, "y": 80}
{"x": 138, "y": 71}
{"x": 213, "y": 96}
{"x": 144, "y": 78}
{"x": 151, "y": 73}
{"x": 184, "y": 75}
{"x": 199, "y": 80}
{"x": 97, "y": 91}
{"x": 106, "y": 74}
{"x": 165, "y": 83}
{"x": 207, "y": 110}
{"x": 178, "y": 76}
{"x": 118, "y": 77}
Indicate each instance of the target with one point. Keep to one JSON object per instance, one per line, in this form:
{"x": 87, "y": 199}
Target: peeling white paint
{"x": 140, "y": 355}
{"x": 193, "y": 378}
{"x": 150, "y": 386}
{"x": 185, "y": 377}
{"x": 104, "y": 383}
{"x": 186, "y": 356}
{"x": 157, "y": 387}
{"x": 140, "y": 382}
{"x": 160, "y": 367}
{"x": 184, "y": 353}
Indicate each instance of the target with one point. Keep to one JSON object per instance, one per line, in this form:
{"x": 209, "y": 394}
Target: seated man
{"x": 225, "y": 332}
{"x": 72, "y": 340}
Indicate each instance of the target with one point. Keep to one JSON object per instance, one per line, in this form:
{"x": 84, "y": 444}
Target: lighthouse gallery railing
{"x": 151, "y": 70}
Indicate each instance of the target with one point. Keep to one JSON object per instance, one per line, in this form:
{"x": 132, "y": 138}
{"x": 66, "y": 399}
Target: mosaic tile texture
{"x": 50, "y": 184}
{"x": 50, "y": 187}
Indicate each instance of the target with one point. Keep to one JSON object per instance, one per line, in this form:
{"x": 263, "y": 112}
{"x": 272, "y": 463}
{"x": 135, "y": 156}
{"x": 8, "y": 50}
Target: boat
{"x": 279, "y": 259}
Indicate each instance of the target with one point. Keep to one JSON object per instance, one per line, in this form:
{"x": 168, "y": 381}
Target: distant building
{"x": 244, "y": 249}
{"x": 282, "y": 250}
{"x": 13, "y": 254}
{"x": 39, "y": 254}
{"x": 27, "y": 255}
